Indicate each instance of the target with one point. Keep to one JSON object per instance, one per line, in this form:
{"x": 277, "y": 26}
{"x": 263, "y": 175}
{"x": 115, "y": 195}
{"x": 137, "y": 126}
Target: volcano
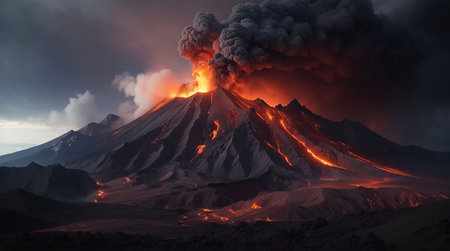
{"x": 220, "y": 157}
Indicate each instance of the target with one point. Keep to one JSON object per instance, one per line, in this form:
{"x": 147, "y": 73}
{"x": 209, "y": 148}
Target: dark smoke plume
{"x": 325, "y": 35}
{"x": 341, "y": 58}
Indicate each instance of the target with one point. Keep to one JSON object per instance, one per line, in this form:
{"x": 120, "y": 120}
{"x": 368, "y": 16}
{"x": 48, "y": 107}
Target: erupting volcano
{"x": 224, "y": 158}
{"x": 217, "y": 151}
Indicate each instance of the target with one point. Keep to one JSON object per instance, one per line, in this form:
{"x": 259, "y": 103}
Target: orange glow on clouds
{"x": 203, "y": 83}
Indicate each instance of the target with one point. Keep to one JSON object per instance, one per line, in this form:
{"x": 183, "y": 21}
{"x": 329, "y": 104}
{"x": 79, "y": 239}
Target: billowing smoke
{"x": 147, "y": 90}
{"x": 328, "y": 38}
{"x": 80, "y": 111}
{"x": 341, "y": 58}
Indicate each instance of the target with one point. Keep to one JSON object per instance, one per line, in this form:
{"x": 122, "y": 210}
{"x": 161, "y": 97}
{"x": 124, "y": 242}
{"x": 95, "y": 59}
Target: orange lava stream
{"x": 323, "y": 161}
{"x": 279, "y": 151}
{"x": 200, "y": 149}
{"x": 255, "y": 206}
{"x": 214, "y": 133}
{"x": 164, "y": 102}
{"x": 381, "y": 167}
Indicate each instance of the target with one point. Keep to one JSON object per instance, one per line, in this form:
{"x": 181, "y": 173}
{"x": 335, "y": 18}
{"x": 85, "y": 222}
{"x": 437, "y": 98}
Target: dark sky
{"x": 52, "y": 50}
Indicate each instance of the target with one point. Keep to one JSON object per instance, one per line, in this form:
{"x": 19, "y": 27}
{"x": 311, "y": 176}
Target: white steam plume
{"x": 147, "y": 90}
{"x": 80, "y": 111}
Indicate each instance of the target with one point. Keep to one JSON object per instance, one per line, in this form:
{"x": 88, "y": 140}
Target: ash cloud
{"x": 354, "y": 59}
{"x": 337, "y": 35}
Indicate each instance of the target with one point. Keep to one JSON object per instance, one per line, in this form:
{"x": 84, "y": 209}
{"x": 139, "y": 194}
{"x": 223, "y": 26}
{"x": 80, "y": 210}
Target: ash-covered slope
{"x": 222, "y": 135}
{"x": 243, "y": 158}
{"x": 54, "y": 181}
{"x": 109, "y": 123}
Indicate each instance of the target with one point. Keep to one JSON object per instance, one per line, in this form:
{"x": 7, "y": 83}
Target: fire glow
{"x": 200, "y": 148}
{"x": 202, "y": 83}
{"x": 303, "y": 143}
{"x": 215, "y": 131}
{"x": 279, "y": 151}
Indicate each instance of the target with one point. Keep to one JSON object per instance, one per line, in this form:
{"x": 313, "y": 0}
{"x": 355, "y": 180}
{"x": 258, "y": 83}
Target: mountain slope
{"x": 69, "y": 146}
{"x": 54, "y": 182}
{"x": 222, "y": 152}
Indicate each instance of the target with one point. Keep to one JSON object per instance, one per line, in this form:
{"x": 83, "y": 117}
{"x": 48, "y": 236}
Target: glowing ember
{"x": 95, "y": 201}
{"x": 200, "y": 149}
{"x": 255, "y": 206}
{"x": 98, "y": 183}
{"x": 268, "y": 219}
{"x": 116, "y": 132}
{"x": 321, "y": 160}
{"x": 127, "y": 180}
{"x": 101, "y": 194}
{"x": 214, "y": 133}
{"x": 328, "y": 179}
{"x": 209, "y": 215}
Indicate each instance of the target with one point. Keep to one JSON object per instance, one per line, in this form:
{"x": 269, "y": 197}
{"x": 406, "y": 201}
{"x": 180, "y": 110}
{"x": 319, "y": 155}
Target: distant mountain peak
{"x": 109, "y": 123}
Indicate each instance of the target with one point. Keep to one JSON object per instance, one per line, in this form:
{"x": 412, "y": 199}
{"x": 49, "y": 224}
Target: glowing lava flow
{"x": 381, "y": 167}
{"x": 208, "y": 214}
{"x": 279, "y": 151}
{"x": 200, "y": 149}
{"x": 325, "y": 162}
{"x": 214, "y": 133}
{"x": 255, "y": 206}
{"x": 100, "y": 195}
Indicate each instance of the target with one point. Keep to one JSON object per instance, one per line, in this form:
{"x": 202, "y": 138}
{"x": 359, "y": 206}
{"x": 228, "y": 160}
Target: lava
{"x": 303, "y": 143}
{"x": 381, "y": 167}
{"x": 202, "y": 83}
{"x": 279, "y": 151}
{"x": 101, "y": 194}
{"x": 164, "y": 102}
{"x": 127, "y": 180}
{"x": 209, "y": 215}
{"x": 200, "y": 149}
{"x": 255, "y": 206}
{"x": 328, "y": 179}
{"x": 215, "y": 131}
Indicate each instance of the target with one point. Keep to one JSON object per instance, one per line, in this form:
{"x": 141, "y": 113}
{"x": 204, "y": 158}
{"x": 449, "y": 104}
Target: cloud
{"x": 80, "y": 111}
{"x": 146, "y": 90}
{"x": 381, "y": 62}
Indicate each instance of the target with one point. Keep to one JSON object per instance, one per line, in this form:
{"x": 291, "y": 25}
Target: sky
{"x": 66, "y": 63}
